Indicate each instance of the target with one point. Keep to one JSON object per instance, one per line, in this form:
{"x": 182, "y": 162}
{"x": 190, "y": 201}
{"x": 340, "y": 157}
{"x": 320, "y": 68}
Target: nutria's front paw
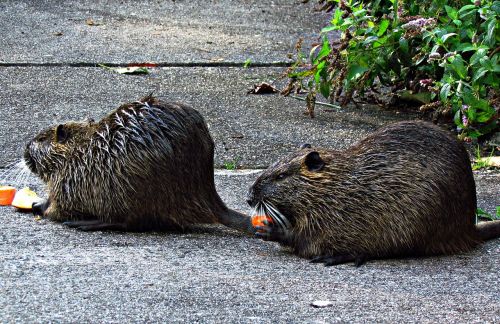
{"x": 263, "y": 232}
{"x": 39, "y": 208}
{"x": 268, "y": 232}
{"x": 330, "y": 260}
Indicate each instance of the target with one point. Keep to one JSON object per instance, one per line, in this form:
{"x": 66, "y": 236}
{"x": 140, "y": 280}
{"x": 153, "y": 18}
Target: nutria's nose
{"x": 250, "y": 202}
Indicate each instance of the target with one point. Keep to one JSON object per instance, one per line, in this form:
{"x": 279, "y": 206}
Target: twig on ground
{"x": 317, "y": 102}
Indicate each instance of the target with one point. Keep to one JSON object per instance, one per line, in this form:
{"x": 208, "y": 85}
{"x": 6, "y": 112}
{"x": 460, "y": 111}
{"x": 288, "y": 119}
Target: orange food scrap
{"x": 25, "y": 198}
{"x": 258, "y": 220}
{"x": 7, "y": 194}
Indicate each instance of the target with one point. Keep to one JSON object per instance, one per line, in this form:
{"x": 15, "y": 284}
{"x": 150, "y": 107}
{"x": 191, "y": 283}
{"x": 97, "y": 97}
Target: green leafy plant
{"x": 247, "y": 63}
{"x": 481, "y": 162}
{"x": 443, "y": 55}
{"x": 481, "y": 214}
{"x": 231, "y": 165}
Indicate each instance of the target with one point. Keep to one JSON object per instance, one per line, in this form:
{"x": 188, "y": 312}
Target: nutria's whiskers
{"x": 259, "y": 209}
{"x": 23, "y": 174}
{"x": 276, "y": 215}
{"x": 16, "y": 173}
{"x": 5, "y": 173}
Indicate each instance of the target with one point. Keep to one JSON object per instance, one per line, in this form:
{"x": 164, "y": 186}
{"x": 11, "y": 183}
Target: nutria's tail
{"x": 489, "y": 230}
{"x": 239, "y": 221}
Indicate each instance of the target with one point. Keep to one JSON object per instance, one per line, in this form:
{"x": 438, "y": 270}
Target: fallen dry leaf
{"x": 263, "y": 88}
{"x": 237, "y": 135}
{"x": 321, "y": 303}
{"x": 127, "y": 70}
{"x": 91, "y": 22}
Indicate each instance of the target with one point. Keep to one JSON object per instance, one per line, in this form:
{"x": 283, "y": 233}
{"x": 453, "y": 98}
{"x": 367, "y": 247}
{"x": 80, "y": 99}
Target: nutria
{"x": 148, "y": 165}
{"x": 405, "y": 190}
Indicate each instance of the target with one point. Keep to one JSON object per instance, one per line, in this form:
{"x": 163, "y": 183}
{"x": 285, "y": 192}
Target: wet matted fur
{"x": 148, "y": 165}
{"x": 405, "y": 190}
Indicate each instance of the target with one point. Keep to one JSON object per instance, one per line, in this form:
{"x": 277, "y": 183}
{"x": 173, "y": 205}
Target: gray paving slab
{"x": 171, "y": 32}
{"x": 210, "y": 274}
{"x": 253, "y": 129}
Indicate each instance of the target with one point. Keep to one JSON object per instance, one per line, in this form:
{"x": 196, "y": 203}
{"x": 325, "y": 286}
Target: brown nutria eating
{"x": 405, "y": 190}
{"x": 147, "y": 165}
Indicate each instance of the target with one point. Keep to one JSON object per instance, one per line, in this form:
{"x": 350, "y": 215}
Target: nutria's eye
{"x": 41, "y": 138}
{"x": 61, "y": 134}
{"x": 281, "y": 176}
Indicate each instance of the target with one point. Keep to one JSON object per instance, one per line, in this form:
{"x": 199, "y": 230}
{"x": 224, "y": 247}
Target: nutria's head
{"x": 50, "y": 149}
{"x": 292, "y": 186}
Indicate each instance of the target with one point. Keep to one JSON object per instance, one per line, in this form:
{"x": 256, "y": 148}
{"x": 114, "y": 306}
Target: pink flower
{"x": 465, "y": 120}
{"x": 449, "y": 54}
{"x": 434, "y": 56}
{"x": 419, "y": 23}
{"x": 426, "y": 82}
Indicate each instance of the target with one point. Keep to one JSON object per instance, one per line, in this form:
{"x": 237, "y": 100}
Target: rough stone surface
{"x": 252, "y": 129}
{"x": 50, "y": 273}
{"x": 210, "y": 274}
{"x": 172, "y": 32}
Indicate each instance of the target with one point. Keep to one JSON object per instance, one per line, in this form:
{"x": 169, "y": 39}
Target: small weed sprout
{"x": 247, "y": 63}
{"x": 481, "y": 162}
{"x": 232, "y": 165}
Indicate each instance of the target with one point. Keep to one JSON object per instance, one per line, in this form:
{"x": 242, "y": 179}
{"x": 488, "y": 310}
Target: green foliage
{"x": 481, "y": 214}
{"x": 247, "y": 63}
{"x": 444, "y": 54}
{"x": 481, "y": 162}
{"x": 231, "y": 165}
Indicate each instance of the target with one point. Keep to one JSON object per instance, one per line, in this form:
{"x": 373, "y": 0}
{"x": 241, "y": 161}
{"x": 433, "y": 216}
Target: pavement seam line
{"x": 157, "y": 64}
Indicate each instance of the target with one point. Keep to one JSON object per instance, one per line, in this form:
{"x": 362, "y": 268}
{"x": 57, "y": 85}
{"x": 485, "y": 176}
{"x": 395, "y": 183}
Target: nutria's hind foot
{"x": 39, "y": 208}
{"x": 330, "y": 260}
{"x": 95, "y": 225}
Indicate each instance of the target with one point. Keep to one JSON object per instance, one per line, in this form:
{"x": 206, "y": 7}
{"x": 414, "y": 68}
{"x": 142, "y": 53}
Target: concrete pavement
{"x": 49, "y": 273}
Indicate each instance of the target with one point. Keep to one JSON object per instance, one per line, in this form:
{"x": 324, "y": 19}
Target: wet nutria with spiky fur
{"x": 405, "y": 190}
{"x": 147, "y": 165}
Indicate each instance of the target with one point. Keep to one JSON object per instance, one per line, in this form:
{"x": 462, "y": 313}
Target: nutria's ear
{"x": 61, "y": 133}
{"x": 314, "y": 162}
{"x": 305, "y": 145}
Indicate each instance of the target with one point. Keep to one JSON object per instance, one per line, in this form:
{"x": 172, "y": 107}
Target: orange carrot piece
{"x": 7, "y": 194}
{"x": 258, "y": 220}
